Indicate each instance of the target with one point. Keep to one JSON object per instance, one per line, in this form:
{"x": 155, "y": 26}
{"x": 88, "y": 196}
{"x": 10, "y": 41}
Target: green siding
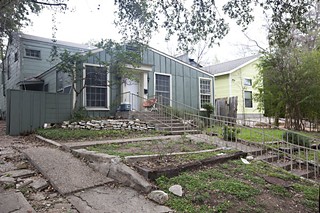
{"x": 185, "y": 79}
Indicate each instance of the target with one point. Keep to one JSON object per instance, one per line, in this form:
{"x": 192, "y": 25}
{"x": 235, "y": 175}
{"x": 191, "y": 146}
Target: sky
{"x": 84, "y": 23}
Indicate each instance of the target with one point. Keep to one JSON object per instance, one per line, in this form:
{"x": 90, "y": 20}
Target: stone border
{"x": 54, "y": 143}
{"x": 153, "y": 174}
{"x": 135, "y": 158}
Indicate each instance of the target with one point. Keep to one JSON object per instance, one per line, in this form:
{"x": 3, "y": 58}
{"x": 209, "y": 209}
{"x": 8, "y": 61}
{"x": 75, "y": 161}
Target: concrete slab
{"x": 117, "y": 199}
{"x": 66, "y": 173}
{"x": 15, "y": 202}
{"x": 21, "y": 173}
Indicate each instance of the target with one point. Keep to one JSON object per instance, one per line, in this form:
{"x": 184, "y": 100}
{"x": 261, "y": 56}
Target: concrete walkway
{"x": 66, "y": 173}
{"x": 11, "y": 201}
{"x": 118, "y": 199}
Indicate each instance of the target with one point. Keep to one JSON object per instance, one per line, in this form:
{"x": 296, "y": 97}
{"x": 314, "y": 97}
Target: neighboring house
{"x": 236, "y": 78}
{"x": 28, "y": 56}
{"x": 158, "y": 75}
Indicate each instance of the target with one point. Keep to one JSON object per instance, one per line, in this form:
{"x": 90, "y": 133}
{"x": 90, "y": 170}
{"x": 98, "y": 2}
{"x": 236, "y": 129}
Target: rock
{"x": 23, "y": 184}
{"x": 7, "y": 180}
{"x": 244, "y": 161}
{"x": 158, "y": 196}
{"x": 22, "y": 173}
{"x": 22, "y": 165}
{"x": 39, "y": 184}
{"x": 176, "y": 190}
{"x": 37, "y": 196}
{"x": 249, "y": 157}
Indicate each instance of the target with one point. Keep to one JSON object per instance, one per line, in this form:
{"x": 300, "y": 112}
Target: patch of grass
{"x": 279, "y": 190}
{"x": 311, "y": 194}
{"x": 76, "y": 134}
{"x": 9, "y": 186}
{"x": 235, "y": 187}
{"x": 225, "y": 187}
{"x": 161, "y": 147}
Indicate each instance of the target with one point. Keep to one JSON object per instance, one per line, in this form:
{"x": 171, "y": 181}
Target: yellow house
{"x": 235, "y": 78}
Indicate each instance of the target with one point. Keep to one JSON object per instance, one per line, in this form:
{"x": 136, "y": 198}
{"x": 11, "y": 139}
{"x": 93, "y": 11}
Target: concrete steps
{"x": 165, "y": 123}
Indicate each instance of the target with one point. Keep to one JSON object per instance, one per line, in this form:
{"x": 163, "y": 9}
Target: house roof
{"x": 59, "y": 42}
{"x": 230, "y": 66}
{"x": 181, "y": 62}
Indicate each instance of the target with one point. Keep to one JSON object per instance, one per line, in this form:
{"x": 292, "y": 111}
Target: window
{"x": 163, "y": 88}
{"x": 248, "y": 99}
{"x": 205, "y": 91}
{"x": 247, "y": 82}
{"x": 16, "y": 57}
{"x": 96, "y": 86}
{"x": 33, "y": 53}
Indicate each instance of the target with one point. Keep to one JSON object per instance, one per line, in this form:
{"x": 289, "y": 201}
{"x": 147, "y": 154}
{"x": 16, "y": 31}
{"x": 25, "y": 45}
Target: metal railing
{"x": 259, "y": 139}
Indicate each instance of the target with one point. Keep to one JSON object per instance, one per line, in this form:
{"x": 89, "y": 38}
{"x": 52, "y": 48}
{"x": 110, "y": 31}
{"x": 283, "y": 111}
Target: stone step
{"x": 66, "y": 173}
{"x": 285, "y": 165}
{"x": 175, "y": 128}
{"x": 303, "y": 172}
{"x": 185, "y": 132}
{"x": 268, "y": 158}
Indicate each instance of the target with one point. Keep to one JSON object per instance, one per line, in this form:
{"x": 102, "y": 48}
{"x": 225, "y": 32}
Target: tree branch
{"x": 50, "y": 4}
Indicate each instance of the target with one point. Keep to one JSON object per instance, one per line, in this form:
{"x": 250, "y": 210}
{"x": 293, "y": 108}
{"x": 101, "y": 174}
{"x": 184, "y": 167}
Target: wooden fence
{"x": 29, "y": 110}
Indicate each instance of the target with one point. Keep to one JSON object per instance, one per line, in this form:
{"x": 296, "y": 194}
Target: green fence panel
{"x": 29, "y": 110}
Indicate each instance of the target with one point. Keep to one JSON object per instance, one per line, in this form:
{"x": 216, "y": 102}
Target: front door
{"x": 133, "y": 87}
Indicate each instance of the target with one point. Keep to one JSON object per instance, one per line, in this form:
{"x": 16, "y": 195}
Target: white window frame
{"x": 244, "y": 99}
{"x": 244, "y": 80}
{"x": 211, "y": 92}
{"x": 33, "y": 57}
{"x": 170, "y": 82}
{"x": 85, "y": 89}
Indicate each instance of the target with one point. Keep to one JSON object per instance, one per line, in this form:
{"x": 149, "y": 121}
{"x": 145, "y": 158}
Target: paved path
{"x": 106, "y": 199}
{"x": 11, "y": 201}
{"x": 66, "y": 173}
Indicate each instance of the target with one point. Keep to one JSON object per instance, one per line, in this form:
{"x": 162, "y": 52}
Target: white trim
{"x": 140, "y": 67}
{"x": 211, "y": 92}
{"x": 237, "y": 68}
{"x": 230, "y": 85}
{"x": 181, "y": 62}
{"x": 154, "y": 84}
{"x": 84, "y": 92}
{"x": 248, "y": 79}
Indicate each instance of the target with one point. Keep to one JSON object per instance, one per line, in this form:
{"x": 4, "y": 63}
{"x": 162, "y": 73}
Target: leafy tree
{"x": 289, "y": 75}
{"x": 201, "y": 20}
{"x": 120, "y": 64}
{"x": 14, "y": 14}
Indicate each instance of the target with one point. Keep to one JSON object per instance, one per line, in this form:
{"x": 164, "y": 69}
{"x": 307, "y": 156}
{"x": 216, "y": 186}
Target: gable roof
{"x": 230, "y": 66}
{"x": 58, "y": 42}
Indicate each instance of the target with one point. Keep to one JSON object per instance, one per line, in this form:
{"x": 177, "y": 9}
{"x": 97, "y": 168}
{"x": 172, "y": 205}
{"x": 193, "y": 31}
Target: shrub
{"x": 230, "y": 133}
{"x": 296, "y": 139}
{"x": 209, "y": 109}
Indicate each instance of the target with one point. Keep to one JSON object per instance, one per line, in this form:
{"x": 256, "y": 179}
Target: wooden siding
{"x": 185, "y": 79}
{"x": 222, "y": 86}
{"x": 238, "y": 88}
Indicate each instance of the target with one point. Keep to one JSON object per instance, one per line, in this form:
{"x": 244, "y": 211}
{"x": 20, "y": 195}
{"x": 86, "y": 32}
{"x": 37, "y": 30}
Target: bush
{"x": 79, "y": 114}
{"x": 296, "y": 139}
{"x": 209, "y": 109}
{"x": 230, "y": 133}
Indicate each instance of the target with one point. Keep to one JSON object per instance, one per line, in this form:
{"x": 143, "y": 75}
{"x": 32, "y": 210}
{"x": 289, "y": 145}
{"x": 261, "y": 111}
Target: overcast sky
{"x": 84, "y": 22}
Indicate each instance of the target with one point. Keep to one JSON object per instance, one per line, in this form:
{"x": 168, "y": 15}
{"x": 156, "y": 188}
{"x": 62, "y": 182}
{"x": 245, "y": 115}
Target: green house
{"x": 235, "y": 79}
{"x": 178, "y": 84}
